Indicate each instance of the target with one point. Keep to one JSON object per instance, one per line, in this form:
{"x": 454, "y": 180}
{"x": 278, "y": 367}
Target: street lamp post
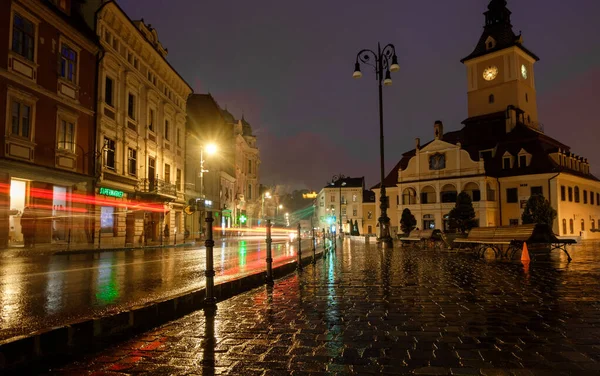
{"x": 210, "y": 150}
{"x": 262, "y": 207}
{"x": 385, "y": 62}
{"x": 339, "y": 178}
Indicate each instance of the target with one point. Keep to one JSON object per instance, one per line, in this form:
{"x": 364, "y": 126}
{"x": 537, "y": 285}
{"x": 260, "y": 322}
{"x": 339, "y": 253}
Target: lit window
{"x": 68, "y": 63}
{"x": 23, "y": 36}
{"x": 66, "y": 135}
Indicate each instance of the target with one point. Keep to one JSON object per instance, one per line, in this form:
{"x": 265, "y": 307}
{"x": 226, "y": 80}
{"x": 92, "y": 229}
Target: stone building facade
{"x": 140, "y": 134}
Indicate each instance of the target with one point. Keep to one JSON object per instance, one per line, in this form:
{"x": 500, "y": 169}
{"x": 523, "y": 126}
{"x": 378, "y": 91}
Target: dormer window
{"x": 507, "y": 161}
{"x": 524, "y": 158}
{"x": 490, "y": 43}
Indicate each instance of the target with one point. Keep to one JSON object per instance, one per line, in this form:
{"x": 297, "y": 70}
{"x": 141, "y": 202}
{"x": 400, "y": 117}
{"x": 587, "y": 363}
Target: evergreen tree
{"x": 356, "y": 229}
{"x": 407, "y": 221}
{"x": 462, "y": 216}
{"x": 538, "y": 210}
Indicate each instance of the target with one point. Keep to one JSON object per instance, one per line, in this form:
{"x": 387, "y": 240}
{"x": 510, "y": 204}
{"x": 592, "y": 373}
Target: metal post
{"x": 210, "y": 302}
{"x": 299, "y": 249}
{"x": 269, "y": 277}
{"x": 69, "y": 240}
{"x": 174, "y": 238}
{"x": 99, "y": 237}
{"x": 314, "y": 245}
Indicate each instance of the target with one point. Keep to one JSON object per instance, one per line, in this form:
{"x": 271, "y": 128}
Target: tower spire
{"x": 497, "y": 14}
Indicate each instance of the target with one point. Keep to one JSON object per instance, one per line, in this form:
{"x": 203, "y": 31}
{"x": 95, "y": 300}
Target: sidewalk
{"x": 399, "y": 311}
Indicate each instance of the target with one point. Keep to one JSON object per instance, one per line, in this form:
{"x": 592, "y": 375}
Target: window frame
{"x": 132, "y": 161}
{"x": 167, "y": 173}
{"x": 64, "y": 116}
{"x": 18, "y": 10}
{"x": 563, "y": 193}
{"x": 106, "y": 151}
{"x": 23, "y": 98}
{"x": 509, "y": 199}
{"x": 112, "y": 91}
{"x": 166, "y": 130}
{"x": 132, "y": 106}
{"x": 77, "y": 51}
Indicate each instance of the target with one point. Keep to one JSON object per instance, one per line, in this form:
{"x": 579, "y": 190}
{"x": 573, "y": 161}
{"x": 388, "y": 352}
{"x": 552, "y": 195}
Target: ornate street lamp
{"x": 385, "y": 61}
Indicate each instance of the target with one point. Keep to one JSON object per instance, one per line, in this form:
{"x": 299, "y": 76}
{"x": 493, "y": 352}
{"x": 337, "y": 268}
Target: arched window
{"x": 428, "y": 195}
{"x": 472, "y": 189}
{"x": 448, "y": 193}
{"x": 564, "y": 226}
{"x": 571, "y": 226}
{"x": 491, "y": 98}
{"x": 409, "y": 196}
{"x": 576, "y": 194}
{"x": 582, "y": 224}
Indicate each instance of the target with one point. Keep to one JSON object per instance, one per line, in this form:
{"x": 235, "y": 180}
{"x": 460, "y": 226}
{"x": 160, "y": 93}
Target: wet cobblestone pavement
{"x": 367, "y": 311}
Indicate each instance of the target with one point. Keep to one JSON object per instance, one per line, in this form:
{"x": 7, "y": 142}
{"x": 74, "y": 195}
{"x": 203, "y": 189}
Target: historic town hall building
{"x": 501, "y": 156}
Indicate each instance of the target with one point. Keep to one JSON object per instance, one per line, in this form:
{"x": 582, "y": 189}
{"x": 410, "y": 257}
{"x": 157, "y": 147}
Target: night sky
{"x": 287, "y": 67}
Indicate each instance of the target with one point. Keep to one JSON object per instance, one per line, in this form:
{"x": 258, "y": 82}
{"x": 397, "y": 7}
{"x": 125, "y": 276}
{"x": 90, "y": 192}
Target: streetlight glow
{"x": 211, "y": 149}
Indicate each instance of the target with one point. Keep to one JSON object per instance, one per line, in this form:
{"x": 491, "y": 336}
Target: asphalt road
{"x": 38, "y": 291}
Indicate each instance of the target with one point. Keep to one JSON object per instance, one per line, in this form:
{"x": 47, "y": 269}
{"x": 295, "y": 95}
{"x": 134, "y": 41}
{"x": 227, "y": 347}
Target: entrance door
{"x": 151, "y": 174}
{"x": 129, "y": 227}
{"x": 59, "y": 213}
{"x": 18, "y": 197}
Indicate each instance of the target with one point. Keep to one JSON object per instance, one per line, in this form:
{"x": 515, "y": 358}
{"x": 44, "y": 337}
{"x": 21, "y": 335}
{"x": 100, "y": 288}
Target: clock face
{"x": 524, "y": 71}
{"x": 437, "y": 162}
{"x": 490, "y": 73}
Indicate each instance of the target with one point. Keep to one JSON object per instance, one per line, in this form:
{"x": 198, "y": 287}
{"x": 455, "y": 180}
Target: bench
{"x": 506, "y": 241}
{"x": 423, "y": 238}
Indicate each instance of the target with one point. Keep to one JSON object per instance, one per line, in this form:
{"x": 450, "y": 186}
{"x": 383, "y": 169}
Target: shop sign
{"x": 111, "y": 192}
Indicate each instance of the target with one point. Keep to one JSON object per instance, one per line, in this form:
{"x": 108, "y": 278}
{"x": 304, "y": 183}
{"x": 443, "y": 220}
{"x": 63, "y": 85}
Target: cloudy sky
{"x": 287, "y": 65}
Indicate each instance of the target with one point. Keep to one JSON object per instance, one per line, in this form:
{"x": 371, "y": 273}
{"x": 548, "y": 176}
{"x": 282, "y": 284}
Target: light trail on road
{"x": 40, "y": 291}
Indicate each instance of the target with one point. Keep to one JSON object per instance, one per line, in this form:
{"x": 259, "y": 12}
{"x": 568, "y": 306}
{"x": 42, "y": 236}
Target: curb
{"x": 59, "y": 344}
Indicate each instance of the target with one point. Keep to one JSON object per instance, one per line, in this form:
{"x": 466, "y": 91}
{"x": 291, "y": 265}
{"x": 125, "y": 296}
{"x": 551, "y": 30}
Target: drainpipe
{"x": 550, "y": 199}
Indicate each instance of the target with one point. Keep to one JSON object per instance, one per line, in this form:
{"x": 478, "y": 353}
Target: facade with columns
{"x": 140, "y": 134}
{"x": 501, "y": 156}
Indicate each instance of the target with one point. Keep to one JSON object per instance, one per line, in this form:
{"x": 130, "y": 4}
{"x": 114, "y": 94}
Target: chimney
{"x": 417, "y": 143}
{"x": 438, "y": 129}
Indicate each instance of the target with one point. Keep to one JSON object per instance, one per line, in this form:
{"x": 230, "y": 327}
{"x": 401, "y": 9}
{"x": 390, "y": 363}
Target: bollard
{"x": 314, "y": 245}
{"x": 210, "y": 303}
{"x": 99, "y": 238}
{"x": 299, "y": 249}
{"x": 175, "y": 239}
{"x": 269, "y": 277}
{"x": 69, "y": 240}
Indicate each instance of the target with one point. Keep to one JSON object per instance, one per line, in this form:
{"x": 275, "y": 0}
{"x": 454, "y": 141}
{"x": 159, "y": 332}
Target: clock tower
{"x": 500, "y": 69}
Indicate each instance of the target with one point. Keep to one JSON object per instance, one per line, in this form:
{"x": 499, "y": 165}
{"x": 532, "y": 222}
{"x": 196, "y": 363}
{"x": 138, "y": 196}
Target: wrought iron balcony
{"x": 159, "y": 187}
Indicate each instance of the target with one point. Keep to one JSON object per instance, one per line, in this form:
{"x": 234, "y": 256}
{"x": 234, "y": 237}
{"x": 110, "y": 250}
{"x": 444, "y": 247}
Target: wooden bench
{"x": 506, "y": 241}
{"x": 423, "y": 239}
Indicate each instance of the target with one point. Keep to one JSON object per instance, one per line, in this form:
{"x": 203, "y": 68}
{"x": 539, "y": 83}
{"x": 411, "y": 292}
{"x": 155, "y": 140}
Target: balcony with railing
{"x": 160, "y": 188}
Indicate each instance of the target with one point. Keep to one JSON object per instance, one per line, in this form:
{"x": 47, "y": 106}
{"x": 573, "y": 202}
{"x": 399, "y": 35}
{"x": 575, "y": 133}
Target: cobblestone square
{"x": 369, "y": 311}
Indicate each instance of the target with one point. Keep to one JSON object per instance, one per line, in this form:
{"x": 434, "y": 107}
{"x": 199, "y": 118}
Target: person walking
{"x": 28, "y": 222}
